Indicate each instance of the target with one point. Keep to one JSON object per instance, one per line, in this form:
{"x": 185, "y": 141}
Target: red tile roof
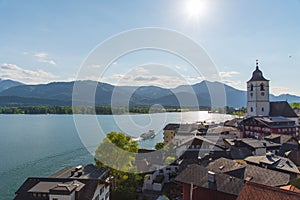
{"x": 255, "y": 191}
{"x": 291, "y": 188}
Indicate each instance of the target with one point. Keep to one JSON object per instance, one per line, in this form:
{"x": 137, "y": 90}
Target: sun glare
{"x": 195, "y": 8}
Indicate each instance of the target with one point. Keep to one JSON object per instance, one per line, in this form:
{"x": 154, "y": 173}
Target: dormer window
{"x": 262, "y": 88}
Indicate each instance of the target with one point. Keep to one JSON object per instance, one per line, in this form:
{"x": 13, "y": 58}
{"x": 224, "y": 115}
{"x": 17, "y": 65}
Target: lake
{"x": 38, "y": 145}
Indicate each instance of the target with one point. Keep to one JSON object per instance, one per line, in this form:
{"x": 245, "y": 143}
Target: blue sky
{"x": 43, "y": 41}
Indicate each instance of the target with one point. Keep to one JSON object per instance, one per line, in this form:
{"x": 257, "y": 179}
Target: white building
{"x": 69, "y": 183}
{"x": 258, "y": 103}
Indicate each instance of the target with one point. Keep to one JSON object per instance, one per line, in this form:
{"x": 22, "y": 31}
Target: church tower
{"x": 258, "y": 103}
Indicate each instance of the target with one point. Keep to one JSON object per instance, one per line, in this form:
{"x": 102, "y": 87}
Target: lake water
{"x": 38, "y": 145}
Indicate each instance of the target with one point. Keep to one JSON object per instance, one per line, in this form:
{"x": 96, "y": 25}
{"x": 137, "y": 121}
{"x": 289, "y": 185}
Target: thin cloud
{"x": 14, "y": 72}
{"x": 95, "y": 66}
{"x": 141, "y": 71}
{"x": 42, "y": 57}
{"x": 228, "y": 74}
{"x": 278, "y": 90}
{"x": 143, "y": 80}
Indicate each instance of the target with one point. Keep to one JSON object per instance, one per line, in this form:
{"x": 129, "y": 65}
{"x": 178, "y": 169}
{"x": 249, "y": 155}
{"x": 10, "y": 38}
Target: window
{"x": 262, "y": 88}
{"x": 262, "y": 94}
{"x": 251, "y": 87}
{"x": 251, "y": 109}
{"x": 107, "y": 196}
{"x": 262, "y": 109}
{"x": 101, "y": 190}
{"x": 251, "y": 94}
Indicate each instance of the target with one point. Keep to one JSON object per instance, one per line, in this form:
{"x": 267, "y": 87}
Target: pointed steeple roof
{"x": 257, "y": 75}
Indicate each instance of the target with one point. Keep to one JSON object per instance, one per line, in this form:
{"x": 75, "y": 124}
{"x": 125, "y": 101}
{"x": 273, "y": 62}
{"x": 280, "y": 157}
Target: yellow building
{"x": 170, "y": 132}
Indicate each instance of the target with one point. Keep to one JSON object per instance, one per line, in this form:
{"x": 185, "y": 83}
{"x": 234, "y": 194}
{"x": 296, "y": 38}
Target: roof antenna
{"x": 256, "y": 64}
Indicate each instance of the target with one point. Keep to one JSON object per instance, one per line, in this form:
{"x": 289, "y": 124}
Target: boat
{"x": 148, "y": 135}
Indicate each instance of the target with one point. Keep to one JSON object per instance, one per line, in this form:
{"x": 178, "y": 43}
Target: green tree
{"x": 295, "y": 105}
{"x": 115, "y": 152}
{"x": 159, "y": 145}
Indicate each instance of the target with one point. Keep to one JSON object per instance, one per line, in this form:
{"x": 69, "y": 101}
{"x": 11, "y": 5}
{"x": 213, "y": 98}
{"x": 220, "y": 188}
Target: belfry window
{"x": 251, "y": 87}
{"x": 262, "y": 109}
{"x": 262, "y": 88}
{"x": 251, "y": 109}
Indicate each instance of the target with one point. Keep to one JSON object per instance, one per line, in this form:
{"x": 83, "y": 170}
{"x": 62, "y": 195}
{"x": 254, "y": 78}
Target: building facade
{"x": 70, "y": 183}
{"x": 259, "y": 127}
{"x": 265, "y": 117}
{"x": 258, "y": 103}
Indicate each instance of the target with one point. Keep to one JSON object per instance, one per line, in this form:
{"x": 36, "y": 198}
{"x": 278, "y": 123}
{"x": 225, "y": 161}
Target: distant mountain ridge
{"x": 6, "y": 83}
{"x": 60, "y": 94}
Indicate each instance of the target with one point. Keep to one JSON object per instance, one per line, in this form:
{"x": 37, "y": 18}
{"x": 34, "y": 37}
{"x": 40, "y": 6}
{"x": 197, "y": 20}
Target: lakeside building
{"x": 240, "y": 148}
{"x": 229, "y": 179}
{"x": 265, "y": 117}
{"x": 253, "y": 190}
{"x": 173, "y": 130}
{"x": 200, "y": 183}
{"x": 248, "y": 172}
{"x": 73, "y": 183}
{"x": 274, "y": 162}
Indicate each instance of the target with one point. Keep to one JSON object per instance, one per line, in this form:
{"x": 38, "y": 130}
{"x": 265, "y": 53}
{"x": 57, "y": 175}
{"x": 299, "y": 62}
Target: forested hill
{"x": 60, "y": 94}
{"x": 5, "y": 84}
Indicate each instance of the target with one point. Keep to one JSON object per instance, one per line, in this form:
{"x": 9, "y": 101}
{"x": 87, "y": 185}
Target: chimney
{"x": 72, "y": 173}
{"x": 211, "y": 177}
{"x": 269, "y": 155}
{"x": 79, "y": 167}
{"x": 79, "y": 173}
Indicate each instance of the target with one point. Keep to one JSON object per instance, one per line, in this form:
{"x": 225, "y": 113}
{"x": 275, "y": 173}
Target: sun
{"x": 195, "y": 8}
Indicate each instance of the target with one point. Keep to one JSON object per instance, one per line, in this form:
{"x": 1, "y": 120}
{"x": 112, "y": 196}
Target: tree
{"x": 295, "y": 105}
{"x": 159, "y": 145}
{"x": 115, "y": 152}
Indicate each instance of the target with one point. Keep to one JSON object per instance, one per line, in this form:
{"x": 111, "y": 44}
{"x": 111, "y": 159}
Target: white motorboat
{"x": 148, "y": 135}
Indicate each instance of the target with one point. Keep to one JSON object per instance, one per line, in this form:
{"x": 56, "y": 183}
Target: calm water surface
{"x": 38, "y": 145}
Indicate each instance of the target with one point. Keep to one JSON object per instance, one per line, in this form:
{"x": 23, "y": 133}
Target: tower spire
{"x": 256, "y": 64}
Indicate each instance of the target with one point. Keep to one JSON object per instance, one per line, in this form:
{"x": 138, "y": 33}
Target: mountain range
{"x": 5, "y": 84}
{"x": 13, "y": 93}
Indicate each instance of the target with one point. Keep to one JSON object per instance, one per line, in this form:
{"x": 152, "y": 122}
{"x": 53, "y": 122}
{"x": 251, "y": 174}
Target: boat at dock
{"x": 148, "y": 135}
